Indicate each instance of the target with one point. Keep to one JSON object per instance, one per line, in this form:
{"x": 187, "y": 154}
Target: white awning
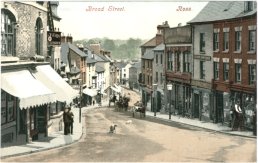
{"x": 48, "y": 76}
{"x": 115, "y": 89}
{"x": 90, "y": 92}
{"x": 23, "y": 85}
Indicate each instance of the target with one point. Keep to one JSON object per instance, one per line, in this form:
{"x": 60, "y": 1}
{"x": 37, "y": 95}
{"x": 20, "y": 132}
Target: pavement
{"x": 58, "y": 139}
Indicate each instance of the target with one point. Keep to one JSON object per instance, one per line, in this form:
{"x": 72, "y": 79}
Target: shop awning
{"x": 22, "y": 84}
{"x": 48, "y": 76}
{"x": 90, "y": 92}
{"x": 115, "y": 89}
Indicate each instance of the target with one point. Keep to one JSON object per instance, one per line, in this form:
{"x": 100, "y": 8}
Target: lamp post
{"x": 80, "y": 101}
{"x": 155, "y": 94}
{"x": 169, "y": 88}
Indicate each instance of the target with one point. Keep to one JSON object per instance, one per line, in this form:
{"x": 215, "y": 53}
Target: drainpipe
{"x": 192, "y": 94}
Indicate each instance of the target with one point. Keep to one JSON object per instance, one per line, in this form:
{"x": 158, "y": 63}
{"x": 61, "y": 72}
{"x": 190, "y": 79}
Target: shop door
{"x": 41, "y": 119}
{"x": 219, "y": 107}
{"x": 196, "y": 105}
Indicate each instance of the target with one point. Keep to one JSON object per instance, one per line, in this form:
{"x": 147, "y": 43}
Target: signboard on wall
{"x": 54, "y": 38}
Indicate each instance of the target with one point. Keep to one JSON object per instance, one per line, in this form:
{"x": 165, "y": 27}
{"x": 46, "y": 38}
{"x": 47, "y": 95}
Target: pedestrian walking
{"x": 71, "y": 120}
{"x": 66, "y": 121}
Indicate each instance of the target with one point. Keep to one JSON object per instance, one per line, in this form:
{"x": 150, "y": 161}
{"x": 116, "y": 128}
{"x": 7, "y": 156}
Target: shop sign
{"x": 202, "y": 57}
{"x": 54, "y": 38}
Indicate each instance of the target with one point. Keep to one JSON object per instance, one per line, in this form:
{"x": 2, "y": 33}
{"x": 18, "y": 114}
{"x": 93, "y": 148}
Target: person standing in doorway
{"x": 71, "y": 116}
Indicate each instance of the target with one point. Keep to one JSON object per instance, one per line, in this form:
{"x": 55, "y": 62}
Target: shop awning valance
{"x": 90, "y": 92}
{"x": 49, "y": 77}
{"x": 22, "y": 84}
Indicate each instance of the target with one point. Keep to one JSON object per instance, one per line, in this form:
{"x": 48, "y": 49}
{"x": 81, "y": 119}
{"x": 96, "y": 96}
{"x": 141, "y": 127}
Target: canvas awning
{"x": 48, "y": 76}
{"x": 22, "y": 84}
{"x": 90, "y": 92}
{"x": 115, "y": 89}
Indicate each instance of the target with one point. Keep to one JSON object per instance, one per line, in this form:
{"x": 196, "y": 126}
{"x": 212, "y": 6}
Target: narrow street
{"x": 145, "y": 140}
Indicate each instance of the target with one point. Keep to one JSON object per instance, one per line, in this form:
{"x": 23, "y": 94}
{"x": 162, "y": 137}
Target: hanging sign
{"x": 54, "y": 38}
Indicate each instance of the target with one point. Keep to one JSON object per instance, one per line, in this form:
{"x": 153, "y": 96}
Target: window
{"x": 157, "y": 77}
{"x": 215, "y": 41}
{"x": 7, "y": 107}
{"x": 170, "y": 61}
{"x": 161, "y": 80}
{"x": 39, "y": 38}
{"x": 226, "y": 71}
{"x": 186, "y": 60}
{"x": 202, "y": 70}
{"x": 161, "y": 59}
{"x": 249, "y": 6}
{"x": 8, "y": 33}
{"x": 238, "y": 72}
{"x": 216, "y": 70}
{"x": 252, "y": 40}
{"x": 252, "y": 74}
{"x": 202, "y": 42}
{"x": 226, "y": 41}
{"x": 238, "y": 41}
{"x": 157, "y": 58}
{"x": 178, "y": 63}
{"x": 143, "y": 63}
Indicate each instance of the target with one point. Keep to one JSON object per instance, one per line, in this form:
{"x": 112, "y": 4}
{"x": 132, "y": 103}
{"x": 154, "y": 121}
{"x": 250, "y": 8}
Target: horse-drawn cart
{"x": 138, "y": 108}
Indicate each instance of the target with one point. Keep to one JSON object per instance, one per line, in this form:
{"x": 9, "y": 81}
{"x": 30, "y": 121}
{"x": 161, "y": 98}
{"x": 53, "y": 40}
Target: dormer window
{"x": 249, "y": 6}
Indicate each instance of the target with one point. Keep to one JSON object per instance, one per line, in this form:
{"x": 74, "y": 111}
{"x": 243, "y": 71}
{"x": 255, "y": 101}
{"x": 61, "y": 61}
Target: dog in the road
{"x": 129, "y": 122}
{"x": 112, "y": 128}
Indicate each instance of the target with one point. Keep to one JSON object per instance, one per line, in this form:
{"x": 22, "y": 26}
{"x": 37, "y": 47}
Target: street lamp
{"x": 80, "y": 101}
{"x": 169, "y": 88}
{"x": 155, "y": 94}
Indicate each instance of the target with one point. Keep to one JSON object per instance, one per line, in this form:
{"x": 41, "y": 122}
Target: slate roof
{"x": 148, "y": 55}
{"x": 150, "y": 43}
{"x": 222, "y": 10}
{"x": 65, "y": 49}
{"x": 160, "y": 47}
{"x": 89, "y": 59}
{"x": 121, "y": 65}
{"x": 99, "y": 69}
{"x": 137, "y": 65}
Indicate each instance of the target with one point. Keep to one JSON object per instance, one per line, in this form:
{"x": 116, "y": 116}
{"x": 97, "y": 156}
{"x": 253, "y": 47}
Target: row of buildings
{"x": 210, "y": 62}
{"x": 42, "y": 71}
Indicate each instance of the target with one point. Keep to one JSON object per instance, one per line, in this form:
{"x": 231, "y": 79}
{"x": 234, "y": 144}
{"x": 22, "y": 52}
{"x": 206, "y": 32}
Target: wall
{"x": 27, "y": 14}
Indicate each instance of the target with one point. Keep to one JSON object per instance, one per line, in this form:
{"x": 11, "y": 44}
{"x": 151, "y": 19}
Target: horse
{"x": 141, "y": 110}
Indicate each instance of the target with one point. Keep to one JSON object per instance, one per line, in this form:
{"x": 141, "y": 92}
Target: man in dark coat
{"x": 66, "y": 121}
{"x": 71, "y": 116}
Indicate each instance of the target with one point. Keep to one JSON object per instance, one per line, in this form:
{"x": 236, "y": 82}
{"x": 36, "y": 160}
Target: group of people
{"x": 68, "y": 121}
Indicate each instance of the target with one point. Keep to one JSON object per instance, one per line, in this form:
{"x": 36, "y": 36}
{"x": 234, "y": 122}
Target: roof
{"x": 150, "y": 43}
{"x": 222, "y": 10}
{"x": 65, "y": 49}
{"x": 137, "y": 65}
{"x": 160, "y": 47}
{"x": 99, "y": 69}
{"x": 89, "y": 59}
{"x": 148, "y": 55}
{"x": 121, "y": 65}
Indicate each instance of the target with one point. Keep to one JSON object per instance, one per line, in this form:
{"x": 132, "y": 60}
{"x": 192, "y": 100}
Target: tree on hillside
{"x": 109, "y": 44}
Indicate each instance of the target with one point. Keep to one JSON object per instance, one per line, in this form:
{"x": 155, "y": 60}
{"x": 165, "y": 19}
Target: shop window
{"x": 7, "y": 107}
{"x": 8, "y": 33}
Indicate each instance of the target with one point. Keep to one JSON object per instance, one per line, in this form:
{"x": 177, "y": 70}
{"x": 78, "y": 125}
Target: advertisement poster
{"x": 128, "y": 81}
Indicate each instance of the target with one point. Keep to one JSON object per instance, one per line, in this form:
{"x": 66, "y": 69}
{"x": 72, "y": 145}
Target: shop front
{"x": 24, "y": 105}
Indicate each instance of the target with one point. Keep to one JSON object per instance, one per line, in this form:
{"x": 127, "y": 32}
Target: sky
{"x": 122, "y": 20}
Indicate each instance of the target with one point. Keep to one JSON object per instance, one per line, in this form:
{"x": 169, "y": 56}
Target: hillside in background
{"x": 120, "y": 49}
